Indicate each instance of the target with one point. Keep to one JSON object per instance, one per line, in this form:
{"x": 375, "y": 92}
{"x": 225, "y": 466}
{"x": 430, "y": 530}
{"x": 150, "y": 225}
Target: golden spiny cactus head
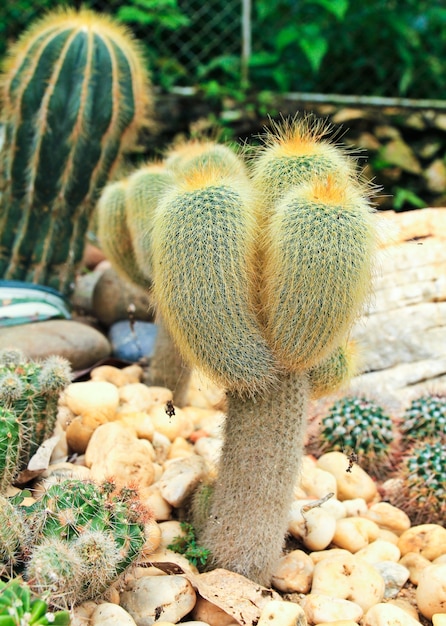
{"x": 114, "y": 236}
{"x": 204, "y": 245}
{"x": 317, "y": 248}
{"x": 145, "y": 188}
{"x": 294, "y": 150}
{"x": 334, "y": 371}
{"x": 202, "y": 154}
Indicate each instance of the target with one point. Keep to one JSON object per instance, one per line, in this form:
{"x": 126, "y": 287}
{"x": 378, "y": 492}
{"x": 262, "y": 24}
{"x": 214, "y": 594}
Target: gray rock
{"x": 395, "y": 576}
{"x": 112, "y": 297}
{"x": 132, "y": 342}
{"x": 82, "y": 345}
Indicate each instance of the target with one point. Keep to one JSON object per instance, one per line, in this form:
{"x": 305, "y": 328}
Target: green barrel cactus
{"x": 359, "y": 426}
{"x": 419, "y": 487}
{"x": 15, "y": 534}
{"x": 85, "y": 536}
{"x": 425, "y": 418}
{"x": 20, "y": 607}
{"x": 29, "y": 393}
{"x": 74, "y": 95}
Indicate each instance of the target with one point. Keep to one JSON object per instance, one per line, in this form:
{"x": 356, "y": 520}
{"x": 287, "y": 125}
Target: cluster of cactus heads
{"x": 75, "y": 94}
{"x": 83, "y": 537}
{"x": 258, "y": 270}
{"x": 359, "y": 426}
{"x": 20, "y": 607}
{"x": 29, "y": 393}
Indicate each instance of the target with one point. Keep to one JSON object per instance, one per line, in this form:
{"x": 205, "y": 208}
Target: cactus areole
{"x": 74, "y": 94}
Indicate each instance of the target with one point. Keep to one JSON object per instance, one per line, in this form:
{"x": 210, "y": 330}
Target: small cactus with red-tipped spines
{"x": 29, "y": 393}
{"x": 425, "y": 418}
{"x": 419, "y": 483}
{"x": 74, "y": 94}
{"x": 361, "y": 427}
{"x": 102, "y": 526}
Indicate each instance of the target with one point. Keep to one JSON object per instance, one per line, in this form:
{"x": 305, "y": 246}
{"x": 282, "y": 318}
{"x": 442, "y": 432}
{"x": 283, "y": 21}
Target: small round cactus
{"x": 360, "y": 426}
{"x": 420, "y": 485}
{"x": 14, "y": 534}
{"x": 424, "y": 418}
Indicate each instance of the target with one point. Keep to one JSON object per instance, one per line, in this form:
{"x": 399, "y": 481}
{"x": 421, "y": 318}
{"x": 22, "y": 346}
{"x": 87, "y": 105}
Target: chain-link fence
{"x": 384, "y": 48}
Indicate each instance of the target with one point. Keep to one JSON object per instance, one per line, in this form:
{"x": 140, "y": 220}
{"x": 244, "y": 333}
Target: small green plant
{"x": 360, "y": 426}
{"x": 29, "y": 393}
{"x": 20, "y": 607}
{"x": 425, "y": 418}
{"x": 420, "y": 485}
{"x": 187, "y": 545}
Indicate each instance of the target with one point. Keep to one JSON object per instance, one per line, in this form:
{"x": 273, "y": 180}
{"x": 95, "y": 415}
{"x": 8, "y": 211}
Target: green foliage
{"x": 425, "y": 418}
{"x": 187, "y": 545}
{"x": 19, "y": 607}
{"x": 359, "y": 426}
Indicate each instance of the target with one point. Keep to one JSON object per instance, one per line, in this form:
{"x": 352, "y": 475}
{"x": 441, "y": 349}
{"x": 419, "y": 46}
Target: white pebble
{"x": 354, "y": 533}
{"x": 347, "y": 576}
{"x": 388, "y": 516}
{"x": 431, "y": 590}
{"x": 388, "y": 615}
{"x": 395, "y": 577}
{"x": 281, "y": 613}
{"x": 380, "y": 550}
{"x": 326, "y": 608}
{"x": 109, "y": 614}
{"x": 180, "y": 478}
{"x": 355, "y": 483}
{"x": 294, "y": 572}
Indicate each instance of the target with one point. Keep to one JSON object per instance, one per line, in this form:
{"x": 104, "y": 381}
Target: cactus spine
{"x": 74, "y": 95}
{"x": 29, "y": 392}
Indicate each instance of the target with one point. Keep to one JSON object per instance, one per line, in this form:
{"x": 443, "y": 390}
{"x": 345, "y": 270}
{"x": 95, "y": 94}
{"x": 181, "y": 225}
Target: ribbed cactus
{"x": 258, "y": 281}
{"x": 419, "y": 487}
{"x": 19, "y": 607}
{"x": 359, "y": 426}
{"x": 74, "y": 96}
{"x": 14, "y": 534}
{"x": 29, "y": 393}
{"x": 425, "y": 418}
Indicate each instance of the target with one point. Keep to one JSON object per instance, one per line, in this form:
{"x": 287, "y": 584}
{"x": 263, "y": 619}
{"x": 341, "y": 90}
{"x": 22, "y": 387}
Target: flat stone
{"x": 79, "y": 343}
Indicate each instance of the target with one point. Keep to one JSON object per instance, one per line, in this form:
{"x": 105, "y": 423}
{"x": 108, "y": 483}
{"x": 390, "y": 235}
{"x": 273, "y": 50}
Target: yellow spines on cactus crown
{"x": 114, "y": 236}
{"x": 318, "y": 248}
{"x": 113, "y": 34}
{"x": 145, "y": 188}
{"x": 334, "y": 371}
{"x": 199, "y": 155}
{"x": 204, "y": 242}
{"x": 294, "y": 151}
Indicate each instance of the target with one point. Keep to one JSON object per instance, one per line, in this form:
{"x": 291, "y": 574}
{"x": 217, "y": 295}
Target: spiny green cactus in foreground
{"x": 425, "y": 418}
{"x": 73, "y": 542}
{"x": 258, "y": 279}
{"x": 420, "y": 485}
{"x": 19, "y": 607}
{"x": 74, "y": 95}
{"x": 360, "y": 426}
{"x": 29, "y": 393}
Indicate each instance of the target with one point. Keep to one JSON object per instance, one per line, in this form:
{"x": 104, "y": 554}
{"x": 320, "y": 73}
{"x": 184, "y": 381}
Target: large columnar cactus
{"x": 29, "y": 393}
{"x": 74, "y": 95}
{"x": 258, "y": 280}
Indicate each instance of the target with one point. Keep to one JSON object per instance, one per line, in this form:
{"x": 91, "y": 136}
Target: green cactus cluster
{"x": 20, "y": 607}
{"x": 75, "y": 94}
{"x": 74, "y": 541}
{"x": 359, "y": 426}
{"x": 29, "y": 393}
{"x": 420, "y": 487}
{"x": 425, "y": 418}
